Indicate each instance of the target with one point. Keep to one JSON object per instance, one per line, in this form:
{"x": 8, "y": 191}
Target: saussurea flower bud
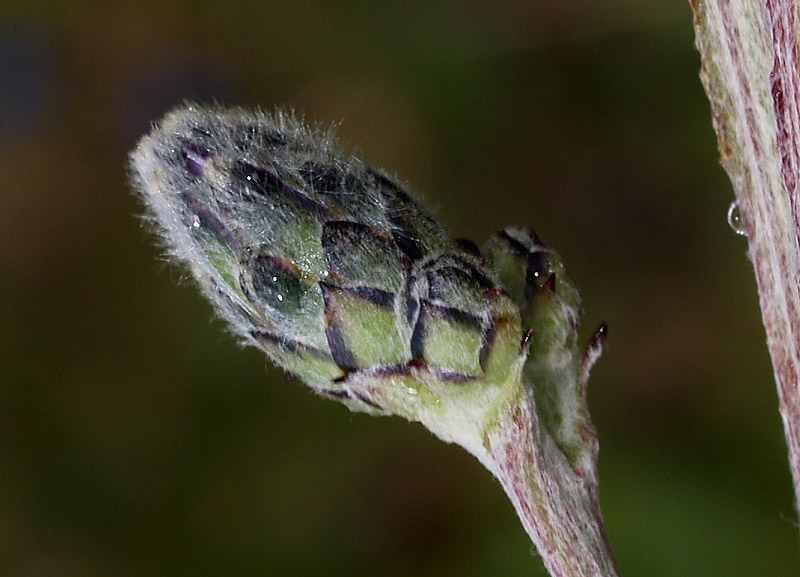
{"x": 348, "y": 283}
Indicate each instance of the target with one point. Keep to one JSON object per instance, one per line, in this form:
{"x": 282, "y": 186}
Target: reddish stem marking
{"x": 784, "y": 84}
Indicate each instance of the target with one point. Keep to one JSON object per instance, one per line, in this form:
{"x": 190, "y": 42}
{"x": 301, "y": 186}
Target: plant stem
{"x": 749, "y": 54}
{"x": 556, "y": 503}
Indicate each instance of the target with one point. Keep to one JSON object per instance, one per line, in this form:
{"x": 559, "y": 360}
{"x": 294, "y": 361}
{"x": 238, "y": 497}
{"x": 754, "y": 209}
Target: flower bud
{"x": 329, "y": 266}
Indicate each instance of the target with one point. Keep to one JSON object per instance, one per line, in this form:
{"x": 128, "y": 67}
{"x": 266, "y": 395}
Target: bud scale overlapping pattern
{"x": 335, "y": 271}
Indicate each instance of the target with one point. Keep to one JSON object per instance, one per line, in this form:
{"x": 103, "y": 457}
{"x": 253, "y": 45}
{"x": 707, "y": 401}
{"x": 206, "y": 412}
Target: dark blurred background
{"x": 136, "y": 438}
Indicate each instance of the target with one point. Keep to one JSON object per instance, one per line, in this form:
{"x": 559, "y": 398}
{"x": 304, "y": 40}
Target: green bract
{"x": 345, "y": 281}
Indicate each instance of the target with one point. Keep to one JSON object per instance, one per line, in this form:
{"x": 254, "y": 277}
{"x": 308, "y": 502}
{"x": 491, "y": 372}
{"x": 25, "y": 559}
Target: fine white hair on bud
{"x": 335, "y": 271}
{"x": 345, "y": 280}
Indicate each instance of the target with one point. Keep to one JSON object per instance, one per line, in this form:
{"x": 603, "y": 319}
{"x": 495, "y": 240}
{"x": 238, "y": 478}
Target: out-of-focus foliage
{"x": 137, "y": 439}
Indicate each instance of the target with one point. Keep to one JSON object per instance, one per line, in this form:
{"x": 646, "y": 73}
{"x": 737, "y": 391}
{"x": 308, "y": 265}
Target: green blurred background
{"x": 136, "y": 438}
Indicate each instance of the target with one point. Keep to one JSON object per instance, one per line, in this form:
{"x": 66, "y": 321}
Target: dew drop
{"x": 735, "y": 219}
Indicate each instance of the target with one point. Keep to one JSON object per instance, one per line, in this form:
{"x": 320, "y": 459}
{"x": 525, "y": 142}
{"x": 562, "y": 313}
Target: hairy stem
{"x": 556, "y": 502}
{"x": 750, "y": 73}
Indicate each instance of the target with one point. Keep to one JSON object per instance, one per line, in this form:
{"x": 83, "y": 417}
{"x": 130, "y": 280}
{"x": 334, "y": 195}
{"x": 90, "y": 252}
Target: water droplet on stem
{"x": 735, "y": 219}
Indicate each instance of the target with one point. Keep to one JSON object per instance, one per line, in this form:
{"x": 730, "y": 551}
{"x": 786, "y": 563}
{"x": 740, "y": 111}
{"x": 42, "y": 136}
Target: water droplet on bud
{"x": 735, "y": 219}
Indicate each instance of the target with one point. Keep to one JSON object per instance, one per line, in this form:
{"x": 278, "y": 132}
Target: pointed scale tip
{"x": 594, "y": 349}
{"x": 595, "y": 345}
{"x": 601, "y": 334}
{"x": 537, "y": 241}
{"x": 550, "y": 284}
{"x": 526, "y": 339}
